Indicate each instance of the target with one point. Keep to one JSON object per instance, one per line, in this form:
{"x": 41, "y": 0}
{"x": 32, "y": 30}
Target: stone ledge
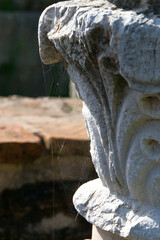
{"x": 40, "y": 125}
{"x": 18, "y": 144}
{"x": 37, "y": 190}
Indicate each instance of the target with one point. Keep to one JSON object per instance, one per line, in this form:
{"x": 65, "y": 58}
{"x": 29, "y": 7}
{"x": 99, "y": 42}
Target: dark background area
{"x": 21, "y": 70}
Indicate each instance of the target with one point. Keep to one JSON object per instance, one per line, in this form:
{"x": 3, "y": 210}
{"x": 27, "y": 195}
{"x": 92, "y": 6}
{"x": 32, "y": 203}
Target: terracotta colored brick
{"x": 59, "y": 122}
{"x": 18, "y": 145}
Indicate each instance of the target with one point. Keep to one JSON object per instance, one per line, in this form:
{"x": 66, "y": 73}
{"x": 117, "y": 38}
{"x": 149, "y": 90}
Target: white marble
{"x": 113, "y": 57}
{"x": 117, "y": 214}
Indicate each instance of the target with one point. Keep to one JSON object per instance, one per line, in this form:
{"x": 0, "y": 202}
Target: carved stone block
{"x": 113, "y": 58}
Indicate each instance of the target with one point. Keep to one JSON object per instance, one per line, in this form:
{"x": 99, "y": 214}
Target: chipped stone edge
{"x": 116, "y": 214}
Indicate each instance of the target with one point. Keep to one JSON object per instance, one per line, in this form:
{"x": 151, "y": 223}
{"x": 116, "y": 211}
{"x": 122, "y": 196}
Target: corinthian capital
{"x": 113, "y": 57}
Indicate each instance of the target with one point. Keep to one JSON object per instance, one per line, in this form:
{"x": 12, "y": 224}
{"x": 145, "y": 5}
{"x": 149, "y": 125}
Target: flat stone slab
{"x": 17, "y": 144}
{"x": 36, "y": 123}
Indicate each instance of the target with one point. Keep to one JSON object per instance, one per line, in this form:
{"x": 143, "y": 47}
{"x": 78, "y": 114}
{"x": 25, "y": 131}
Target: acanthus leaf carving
{"x": 112, "y": 56}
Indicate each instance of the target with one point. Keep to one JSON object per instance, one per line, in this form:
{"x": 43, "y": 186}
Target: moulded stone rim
{"x": 117, "y": 214}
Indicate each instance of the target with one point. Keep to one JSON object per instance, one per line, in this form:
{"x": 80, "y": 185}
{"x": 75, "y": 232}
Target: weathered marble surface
{"x": 113, "y": 57}
{"x": 117, "y": 214}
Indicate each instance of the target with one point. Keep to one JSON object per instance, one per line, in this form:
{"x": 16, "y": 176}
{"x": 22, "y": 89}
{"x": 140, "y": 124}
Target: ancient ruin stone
{"x": 112, "y": 56}
{"x": 18, "y": 144}
{"x": 38, "y": 179}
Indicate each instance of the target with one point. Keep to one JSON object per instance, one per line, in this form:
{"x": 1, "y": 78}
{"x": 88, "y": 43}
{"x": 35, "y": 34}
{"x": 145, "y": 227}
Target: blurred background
{"x": 20, "y": 65}
{"x": 44, "y": 147}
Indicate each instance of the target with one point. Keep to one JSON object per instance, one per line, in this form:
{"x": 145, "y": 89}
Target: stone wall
{"x": 44, "y": 158}
{"x": 21, "y": 71}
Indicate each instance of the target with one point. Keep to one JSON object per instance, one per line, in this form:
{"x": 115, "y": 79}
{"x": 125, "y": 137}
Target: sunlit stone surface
{"x": 113, "y": 57}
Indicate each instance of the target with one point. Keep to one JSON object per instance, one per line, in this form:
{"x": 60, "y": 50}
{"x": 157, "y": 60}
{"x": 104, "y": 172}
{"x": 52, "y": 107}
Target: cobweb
{"x": 52, "y": 86}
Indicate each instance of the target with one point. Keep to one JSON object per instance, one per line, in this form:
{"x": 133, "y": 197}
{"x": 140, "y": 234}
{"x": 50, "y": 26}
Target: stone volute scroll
{"x": 111, "y": 50}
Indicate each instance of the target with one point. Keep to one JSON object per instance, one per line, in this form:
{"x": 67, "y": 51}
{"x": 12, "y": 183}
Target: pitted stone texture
{"x": 107, "y": 52}
{"x": 112, "y": 56}
{"x": 113, "y": 32}
{"x": 43, "y": 119}
{"x": 121, "y": 216}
